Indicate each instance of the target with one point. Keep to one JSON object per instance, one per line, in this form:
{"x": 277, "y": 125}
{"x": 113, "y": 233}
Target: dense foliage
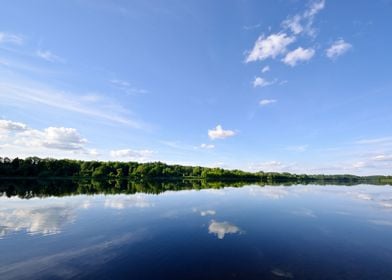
{"x": 52, "y": 168}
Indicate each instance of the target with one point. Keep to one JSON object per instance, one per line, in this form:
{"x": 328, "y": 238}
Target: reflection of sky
{"x": 94, "y": 229}
{"x": 36, "y": 216}
{"x": 126, "y": 201}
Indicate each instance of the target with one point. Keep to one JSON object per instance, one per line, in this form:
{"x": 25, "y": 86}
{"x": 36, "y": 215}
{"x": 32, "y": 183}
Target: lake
{"x": 248, "y": 232}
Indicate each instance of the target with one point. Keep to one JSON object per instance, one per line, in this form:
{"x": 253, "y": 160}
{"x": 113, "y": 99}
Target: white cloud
{"x": 261, "y": 82}
{"x": 338, "y": 48}
{"x": 265, "y": 102}
{"x": 31, "y": 94}
{"x": 220, "y": 133}
{"x": 7, "y": 125}
{"x": 93, "y": 152}
{"x": 265, "y": 69}
{"x": 58, "y": 142}
{"x": 314, "y": 8}
{"x": 49, "y": 56}
{"x": 299, "y": 54}
{"x": 302, "y": 23}
{"x": 383, "y": 157}
{"x": 381, "y": 140}
{"x": 299, "y": 148}
{"x": 220, "y": 229}
{"x": 269, "y": 166}
{"x": 269, "y": 47}
{"x": 10, "y": 38}
{"x": 127, "y": 87}
{"x": 294, "y": 24}
{"x": 61, "y": 138}
{"x": 139, "y": 155}
{"x": 207, "y": 146}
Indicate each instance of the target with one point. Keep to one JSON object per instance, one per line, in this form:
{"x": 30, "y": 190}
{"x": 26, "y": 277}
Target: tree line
{"x": 34, "y": 167}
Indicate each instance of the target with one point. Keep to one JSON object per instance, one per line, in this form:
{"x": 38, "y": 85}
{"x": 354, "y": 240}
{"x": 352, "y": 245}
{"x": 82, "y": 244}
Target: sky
{"x": 279, "y": 85}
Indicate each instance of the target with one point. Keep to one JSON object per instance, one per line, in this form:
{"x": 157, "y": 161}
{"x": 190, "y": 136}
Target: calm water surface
{"x": 253, "y": 232}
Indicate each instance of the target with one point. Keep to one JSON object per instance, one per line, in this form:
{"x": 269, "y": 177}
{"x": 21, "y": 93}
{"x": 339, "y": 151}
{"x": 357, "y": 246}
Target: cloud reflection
{"x": 45, "y": 220}
{"x": 122, "y": 202}
{"x": 220, "y": 229}
{"x": 207, "y": 212}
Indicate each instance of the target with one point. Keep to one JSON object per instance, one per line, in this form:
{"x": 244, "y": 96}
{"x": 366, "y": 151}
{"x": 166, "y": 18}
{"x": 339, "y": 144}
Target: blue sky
{"x": 297, "y": 86}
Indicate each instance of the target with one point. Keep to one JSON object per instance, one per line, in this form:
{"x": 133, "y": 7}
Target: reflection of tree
{"x": 27, "y": 188}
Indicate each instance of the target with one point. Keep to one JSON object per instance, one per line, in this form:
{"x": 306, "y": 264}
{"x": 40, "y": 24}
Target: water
{"x": 250, "y": 232}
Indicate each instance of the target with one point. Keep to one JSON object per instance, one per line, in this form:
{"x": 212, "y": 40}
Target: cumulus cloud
{"x": 220, "y": 229}
{"x": 261, "y": 82}
{"x": 220, "y": 133}
{"x": 207, "y": 146}
{"x": 61, "y": 138}
{"x": 265, "y": 102}
{"x": 8, "y": 126}
{"x": 338, "y": 48}
{"x": 132, "y": 154}
{"x": 269, "y": 47}
{"x": 10, "y": 38}
{"x": 297, "y": 55}
{"x": 49, "y": 56}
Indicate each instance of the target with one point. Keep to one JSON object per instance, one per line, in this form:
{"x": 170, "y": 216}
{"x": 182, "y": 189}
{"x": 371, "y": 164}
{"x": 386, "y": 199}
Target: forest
{"x": 34, "y": 167}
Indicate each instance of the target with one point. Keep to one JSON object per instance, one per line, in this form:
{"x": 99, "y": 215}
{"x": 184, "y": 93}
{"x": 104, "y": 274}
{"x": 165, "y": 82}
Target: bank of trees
{"x": 44, "y": 168}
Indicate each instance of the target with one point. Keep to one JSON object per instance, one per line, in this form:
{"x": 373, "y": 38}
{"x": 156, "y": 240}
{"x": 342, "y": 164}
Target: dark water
{"x": 252, "y": 232}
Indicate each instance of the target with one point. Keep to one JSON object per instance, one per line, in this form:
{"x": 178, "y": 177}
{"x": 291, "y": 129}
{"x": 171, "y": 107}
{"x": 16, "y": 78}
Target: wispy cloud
{"x": 137, "y": 155}
{"x": 49, "y": 56}
{"x": 381, "y": 140}
{"x": 207, "y": 146}
{"x": 220, "y": 133}
{"x": 250, "y": 27}
{"x": 127, "y": 87}
{"x": 265, "y": 69}
{"x": 265, "y": 102}
{"x": 338, "y": 48}
{"x": 299, "y": 148}
{"x": 261, "y": 82}
{"x": 303, "y": 22}
{"x": 297, "y": 55}
{"x": 9, "y": 38}
{"x": 40, "y": 95}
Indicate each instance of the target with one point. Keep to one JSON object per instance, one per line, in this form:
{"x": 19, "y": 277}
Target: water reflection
{"x": 251, "y": 232}
{"x": 220, "y": 229}
{"x": 122, "y": 201}
{"x": 34, "y": 219}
